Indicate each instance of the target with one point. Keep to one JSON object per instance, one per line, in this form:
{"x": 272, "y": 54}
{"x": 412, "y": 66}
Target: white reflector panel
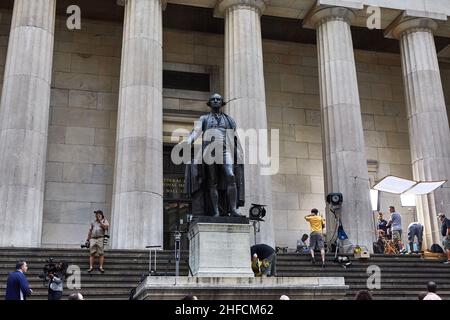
{"x": 424, "y": 188}
{"x": 393, "y": 184}
{"x": 374, "y": 199}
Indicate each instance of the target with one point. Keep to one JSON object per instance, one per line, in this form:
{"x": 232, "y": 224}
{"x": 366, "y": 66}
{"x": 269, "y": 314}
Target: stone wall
{"x": 294, "y": 108}
{"x": 81, "y": 139}
{"x": 83, "y": 115}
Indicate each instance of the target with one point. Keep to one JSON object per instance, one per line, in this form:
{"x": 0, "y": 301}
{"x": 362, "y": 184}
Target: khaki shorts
{"x": 96, "y": 247}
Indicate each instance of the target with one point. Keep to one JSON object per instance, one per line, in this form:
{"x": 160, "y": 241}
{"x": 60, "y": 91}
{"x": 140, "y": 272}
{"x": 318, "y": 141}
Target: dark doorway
{"x": 177, "y": 205}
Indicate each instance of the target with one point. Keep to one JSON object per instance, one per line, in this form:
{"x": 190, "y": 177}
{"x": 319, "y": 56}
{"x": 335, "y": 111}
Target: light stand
{"x": 177, "y": 252}
{"x": 256, "y": 214}
{"x": 337, "y": 219}
{"x": 256, "y": 228}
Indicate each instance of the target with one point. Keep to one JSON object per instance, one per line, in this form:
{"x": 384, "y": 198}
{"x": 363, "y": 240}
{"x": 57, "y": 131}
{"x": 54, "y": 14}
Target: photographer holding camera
{"x": 55, "y": 275}
{"x": 97, "y": 237}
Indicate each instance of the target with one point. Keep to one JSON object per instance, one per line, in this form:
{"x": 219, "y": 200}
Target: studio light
{"x": 335, "y": 199}
{"x": 257, "y": 212}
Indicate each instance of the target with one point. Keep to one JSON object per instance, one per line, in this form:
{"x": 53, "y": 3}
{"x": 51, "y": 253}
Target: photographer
{"x": 96, "y": 237}
{"x": 263, "y": 260}
{"x": 55, "y": 277}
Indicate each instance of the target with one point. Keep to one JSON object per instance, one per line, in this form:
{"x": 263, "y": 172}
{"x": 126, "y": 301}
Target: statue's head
{"x": 216, "y": 102}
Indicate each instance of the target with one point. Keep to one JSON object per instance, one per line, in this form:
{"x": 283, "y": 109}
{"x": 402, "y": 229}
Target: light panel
{"x": 422, "y": 188}
{"x": 374, "y": 195}
{"x": 393, "y": 184}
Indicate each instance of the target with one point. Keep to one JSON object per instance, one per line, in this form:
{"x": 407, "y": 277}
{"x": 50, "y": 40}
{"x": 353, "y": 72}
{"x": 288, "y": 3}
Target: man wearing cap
{"x": 445, "y": 231}
{"x": 395, "y": 224}
{"x": 96, "y": 235}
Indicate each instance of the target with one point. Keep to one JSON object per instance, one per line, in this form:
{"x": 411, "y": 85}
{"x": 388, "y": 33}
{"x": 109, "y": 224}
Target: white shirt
{"x": 432, "y": 296}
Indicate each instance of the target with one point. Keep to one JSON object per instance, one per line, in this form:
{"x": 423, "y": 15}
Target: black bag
{"x": 435, "y": 248}
{"x": 378, "y": 248}
{"x": 343, "y": 261}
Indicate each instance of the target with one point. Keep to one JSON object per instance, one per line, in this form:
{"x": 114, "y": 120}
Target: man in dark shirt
{"x": 382, "y": 224}
{"x": 445, "y": 231}
{"x": 263, "y": 259}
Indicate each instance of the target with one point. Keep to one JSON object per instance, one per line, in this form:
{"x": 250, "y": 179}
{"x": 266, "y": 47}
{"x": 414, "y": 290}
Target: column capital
{"x": 405, "y": 23}
{"x": 319, "y": 13}
{"x": 123, "y": 2}
{"x": 223, "y": 5}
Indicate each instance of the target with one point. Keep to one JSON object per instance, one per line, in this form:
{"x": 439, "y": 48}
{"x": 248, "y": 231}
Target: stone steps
{"x": 402, "y": 277}
{"x": 124, "y": 269}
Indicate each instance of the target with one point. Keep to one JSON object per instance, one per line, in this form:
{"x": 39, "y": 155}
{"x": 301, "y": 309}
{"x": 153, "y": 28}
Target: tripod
{"x": 256, "y": 228}
{"x": 177, "y": 236}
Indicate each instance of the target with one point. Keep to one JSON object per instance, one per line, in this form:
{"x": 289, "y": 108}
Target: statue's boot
{"x": 232, "y": 198}
{"x": 214, "y": 194}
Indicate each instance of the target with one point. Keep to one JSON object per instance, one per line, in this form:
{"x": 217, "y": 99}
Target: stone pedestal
{"x": 297, "y": 288}
{"x": 220, "y": 249}
{"x": 429, "y": 132}
{"x": 24, "y": 113}
{"x": 345, "y": 163}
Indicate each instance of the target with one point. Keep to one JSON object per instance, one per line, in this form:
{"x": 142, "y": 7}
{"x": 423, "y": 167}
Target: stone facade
{"x": 79, "y": 169}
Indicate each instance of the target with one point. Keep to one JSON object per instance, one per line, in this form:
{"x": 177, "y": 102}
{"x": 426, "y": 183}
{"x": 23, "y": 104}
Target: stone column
{"x": 244, "y": 84}
{"x": 137, "y": 214}
{"x": 429, "y": 133}
{"x": 24, "y": 113}
{"x": 345, "y": 163}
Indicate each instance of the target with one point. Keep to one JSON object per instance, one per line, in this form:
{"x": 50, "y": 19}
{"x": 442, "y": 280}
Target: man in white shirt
{"x": 431, "y": 295}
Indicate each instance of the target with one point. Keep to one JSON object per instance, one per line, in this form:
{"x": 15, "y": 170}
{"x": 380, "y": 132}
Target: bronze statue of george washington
{"x": 216, "y": 182}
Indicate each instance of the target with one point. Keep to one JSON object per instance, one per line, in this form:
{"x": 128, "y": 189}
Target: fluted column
{"x": 345, "y": 163}
{"x": 137, "y": 217}
{"x": 244, "y": 85}
{"x": 429, "y": 132}
{"x": 24, "y": 112}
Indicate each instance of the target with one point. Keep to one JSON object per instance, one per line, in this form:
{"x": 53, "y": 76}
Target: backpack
{"x": 435, "y": 248}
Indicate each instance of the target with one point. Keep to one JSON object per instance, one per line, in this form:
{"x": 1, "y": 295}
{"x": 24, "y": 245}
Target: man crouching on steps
{"x": 95, "y": 237}
{"x": 317, "y": 224}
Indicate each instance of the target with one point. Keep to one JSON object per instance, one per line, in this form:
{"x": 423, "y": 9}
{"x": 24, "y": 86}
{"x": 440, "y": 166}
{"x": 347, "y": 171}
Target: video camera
{"x": 52, "y": 267}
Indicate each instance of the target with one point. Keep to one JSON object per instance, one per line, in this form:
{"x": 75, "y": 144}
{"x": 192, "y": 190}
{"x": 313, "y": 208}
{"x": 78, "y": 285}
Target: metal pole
{"x": 177, "y": 252}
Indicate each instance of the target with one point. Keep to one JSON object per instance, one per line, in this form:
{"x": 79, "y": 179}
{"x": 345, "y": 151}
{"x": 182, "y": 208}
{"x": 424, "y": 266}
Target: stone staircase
{"x": 402, "y": 277}
{"x": 124, "y": 270}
